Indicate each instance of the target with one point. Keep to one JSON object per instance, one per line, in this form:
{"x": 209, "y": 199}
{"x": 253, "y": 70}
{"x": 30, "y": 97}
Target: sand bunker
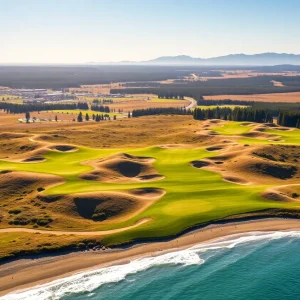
{"x": 122, "y": 168}
{"x": 148, "y": 192}
{"x": 34, "y": 159}
{"x": 213, "y": 149}
{"x": 64, "y": 148}
{"x": 200, "y": 163}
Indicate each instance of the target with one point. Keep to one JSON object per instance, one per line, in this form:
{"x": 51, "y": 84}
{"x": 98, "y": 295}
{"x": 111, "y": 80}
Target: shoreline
{"x": 26, "y": 273}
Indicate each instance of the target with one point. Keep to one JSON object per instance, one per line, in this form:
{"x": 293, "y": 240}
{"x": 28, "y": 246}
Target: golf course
{"x": 121, "y": 195}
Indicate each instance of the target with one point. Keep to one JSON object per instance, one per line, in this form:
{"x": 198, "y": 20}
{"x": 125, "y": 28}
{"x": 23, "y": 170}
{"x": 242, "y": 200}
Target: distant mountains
{"x": 262, "y": 59}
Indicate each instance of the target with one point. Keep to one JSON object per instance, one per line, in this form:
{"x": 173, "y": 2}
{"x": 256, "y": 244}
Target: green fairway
{"x": 193, "y": 196}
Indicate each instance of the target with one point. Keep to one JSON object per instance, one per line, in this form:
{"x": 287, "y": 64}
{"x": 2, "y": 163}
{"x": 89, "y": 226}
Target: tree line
{"x": 274, "y": 108}
{"x": 104, "y": 101}
{"x": 167, "y": 95}
{"x": 237, "y": 114}
{"x": 96, "y": 118}
{"x": 160, "y": 111}
{"x": 289, "y": 118}
{"x": 100, "y": 108}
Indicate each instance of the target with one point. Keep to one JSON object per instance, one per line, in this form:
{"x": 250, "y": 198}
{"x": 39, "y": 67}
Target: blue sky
{"x": 77, "y": 31}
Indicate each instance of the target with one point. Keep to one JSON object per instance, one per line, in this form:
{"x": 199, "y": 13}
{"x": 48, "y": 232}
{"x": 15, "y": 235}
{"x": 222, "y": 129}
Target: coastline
{"x": 26, "y": 273}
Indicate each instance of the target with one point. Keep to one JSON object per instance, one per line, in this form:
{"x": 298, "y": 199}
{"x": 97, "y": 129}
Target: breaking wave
{"x": 88, "y": 281}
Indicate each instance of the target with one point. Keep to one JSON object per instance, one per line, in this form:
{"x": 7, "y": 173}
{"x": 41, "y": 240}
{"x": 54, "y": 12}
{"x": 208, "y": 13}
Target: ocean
{"x": 256, "y": 266}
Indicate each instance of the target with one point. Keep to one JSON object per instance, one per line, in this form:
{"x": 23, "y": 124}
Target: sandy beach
{"x": 25, "y": 273}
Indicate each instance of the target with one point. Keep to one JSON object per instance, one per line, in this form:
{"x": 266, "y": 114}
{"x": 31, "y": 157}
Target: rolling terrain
{"x": 97, "y": 185}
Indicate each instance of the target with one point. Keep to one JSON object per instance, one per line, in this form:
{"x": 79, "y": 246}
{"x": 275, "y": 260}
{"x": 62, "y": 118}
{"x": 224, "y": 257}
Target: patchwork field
{"x": 98, "y": 185}
{"x": 276, "y": 97}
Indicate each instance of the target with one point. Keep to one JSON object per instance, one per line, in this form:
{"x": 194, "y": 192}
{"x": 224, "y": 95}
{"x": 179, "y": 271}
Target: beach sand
{"x": 25, "y": 273}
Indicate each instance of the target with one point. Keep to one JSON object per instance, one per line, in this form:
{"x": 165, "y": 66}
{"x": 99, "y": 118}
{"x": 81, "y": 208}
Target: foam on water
{"x": 90, "y": 280}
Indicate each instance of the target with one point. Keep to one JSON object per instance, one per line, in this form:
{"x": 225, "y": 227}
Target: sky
{"x": 80, "y": 31}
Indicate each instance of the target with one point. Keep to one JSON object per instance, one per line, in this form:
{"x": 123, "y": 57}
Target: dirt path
{"x": 89, "y": 233}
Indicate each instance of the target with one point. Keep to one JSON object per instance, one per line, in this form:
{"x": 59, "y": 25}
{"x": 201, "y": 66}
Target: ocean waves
{"x": 90, "y": 280}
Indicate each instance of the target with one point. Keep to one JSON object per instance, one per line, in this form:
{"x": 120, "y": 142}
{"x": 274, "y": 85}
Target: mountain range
{"x": 261, "y": 59}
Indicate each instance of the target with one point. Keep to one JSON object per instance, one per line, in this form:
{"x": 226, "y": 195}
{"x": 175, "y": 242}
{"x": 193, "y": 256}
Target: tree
{"x": 56, "y": 118}
{"x": 129, "y": 115}
{"x": 87, "y": 117}
{"x": 115, "y": 117}
{"x": 27, "y": 116}
{"x": 79, "y": 118}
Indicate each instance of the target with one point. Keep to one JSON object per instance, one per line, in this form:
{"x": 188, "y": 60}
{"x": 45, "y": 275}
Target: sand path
{"x": 88, "y": 233}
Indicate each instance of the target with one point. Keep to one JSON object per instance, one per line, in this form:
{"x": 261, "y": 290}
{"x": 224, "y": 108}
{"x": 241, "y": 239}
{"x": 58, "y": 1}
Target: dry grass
{"x": 131, "y": 105}
{"x": 276, "y": 97}
{"x": 133, "y": 132}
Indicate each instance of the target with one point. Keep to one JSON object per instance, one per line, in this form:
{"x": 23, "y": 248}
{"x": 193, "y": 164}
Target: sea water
{"x": 256, "y": 265}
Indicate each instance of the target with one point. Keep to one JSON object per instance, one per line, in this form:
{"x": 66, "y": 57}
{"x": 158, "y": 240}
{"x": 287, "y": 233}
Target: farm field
{"x": 139, "y": 101}
{"x": 69, "y": 181}
{"x": 11, "y": 98}
{"x": 275, "y": 97}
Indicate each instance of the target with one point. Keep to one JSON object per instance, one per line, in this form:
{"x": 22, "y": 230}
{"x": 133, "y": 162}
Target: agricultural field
{"x": 139, "y": 101}
{"x": 11, "y": 98}
{"x": 275, "y": 97}
{"x": 95, "y": 183}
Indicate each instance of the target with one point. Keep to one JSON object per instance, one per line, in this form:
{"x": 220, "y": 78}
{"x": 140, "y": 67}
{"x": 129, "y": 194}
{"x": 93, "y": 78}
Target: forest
{"x": 237, "y": 114}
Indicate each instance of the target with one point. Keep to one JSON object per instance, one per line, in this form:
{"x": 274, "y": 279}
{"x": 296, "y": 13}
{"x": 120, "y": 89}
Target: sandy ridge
{"x": 89, "y": 233}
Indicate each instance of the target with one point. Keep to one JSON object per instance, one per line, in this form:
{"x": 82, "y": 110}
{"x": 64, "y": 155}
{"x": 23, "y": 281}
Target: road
{"x": 193, "y": 103}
